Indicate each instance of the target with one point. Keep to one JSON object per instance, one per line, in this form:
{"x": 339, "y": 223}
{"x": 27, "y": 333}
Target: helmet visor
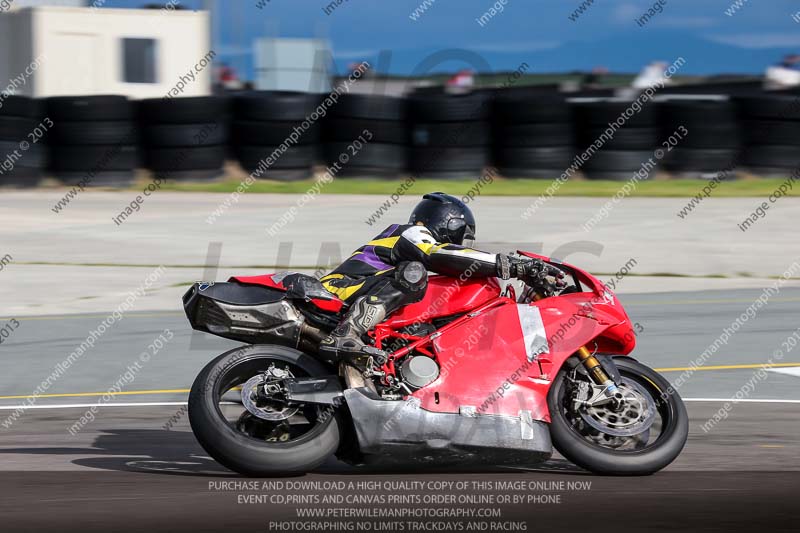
{"x": 456, "y": 228}
{"x": 469, "y": 236}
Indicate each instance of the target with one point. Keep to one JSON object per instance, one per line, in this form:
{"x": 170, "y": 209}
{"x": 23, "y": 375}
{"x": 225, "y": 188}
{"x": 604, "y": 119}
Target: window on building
{"x": 138, "y": 60}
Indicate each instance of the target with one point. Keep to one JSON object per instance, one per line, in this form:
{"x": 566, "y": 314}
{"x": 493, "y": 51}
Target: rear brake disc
{"x": 272, "y": 410}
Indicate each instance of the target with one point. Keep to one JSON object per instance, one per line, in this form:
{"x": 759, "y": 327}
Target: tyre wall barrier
{"x": 185, "y": 138}
{"x": 706, "y": 132}
{"x": 631, "y": 145}
{"x": 21, "y": 164}
{"x": 93, "y": 139}
{"x": 533, "y": 133}
{"x": 367, "y": 135}
{"x": 450, "y": 133}
{"x": 526, "y": 132}
{"x": 274, "y": 134}
{"x": 770, "y": 126}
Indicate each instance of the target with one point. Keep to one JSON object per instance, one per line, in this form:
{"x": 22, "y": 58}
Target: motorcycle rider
{"x": 391, "y": 270}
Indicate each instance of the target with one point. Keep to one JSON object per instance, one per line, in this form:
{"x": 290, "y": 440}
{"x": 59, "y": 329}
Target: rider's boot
{"x": 344, "y": 342}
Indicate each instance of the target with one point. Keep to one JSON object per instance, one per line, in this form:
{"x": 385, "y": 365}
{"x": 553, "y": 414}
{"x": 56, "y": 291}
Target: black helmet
{"x": 448, "y": 218}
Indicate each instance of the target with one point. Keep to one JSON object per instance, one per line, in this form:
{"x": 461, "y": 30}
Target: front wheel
{"x": 644, "y": 433}
{"x": 259, "y": 433}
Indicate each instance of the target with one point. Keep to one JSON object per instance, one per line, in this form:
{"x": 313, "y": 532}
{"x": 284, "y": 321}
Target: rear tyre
{"x": 600, "y": 453}
{"x": 250, "y": 445}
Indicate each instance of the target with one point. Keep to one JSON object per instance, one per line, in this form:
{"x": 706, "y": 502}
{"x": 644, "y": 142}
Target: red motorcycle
{"x": 470, "y": 373}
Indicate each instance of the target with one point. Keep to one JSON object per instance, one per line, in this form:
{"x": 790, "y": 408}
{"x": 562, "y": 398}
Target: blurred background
{"x": 561, "y": 41}
{"x": 447, "y": 89}
{"x": 135, "y": 128}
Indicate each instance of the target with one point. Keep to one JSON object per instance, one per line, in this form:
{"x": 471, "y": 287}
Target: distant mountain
{"x": 626, "y": 53}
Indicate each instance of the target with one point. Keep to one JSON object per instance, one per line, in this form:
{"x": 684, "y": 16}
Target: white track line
{"x": 789, "y": 371}
{"x": 160, "y": 404}
{"x": 85, "y": 405}
{"x": 743, "y": 400}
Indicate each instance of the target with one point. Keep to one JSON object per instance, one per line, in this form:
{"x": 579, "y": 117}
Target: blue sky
{"x": 538, "y": 32}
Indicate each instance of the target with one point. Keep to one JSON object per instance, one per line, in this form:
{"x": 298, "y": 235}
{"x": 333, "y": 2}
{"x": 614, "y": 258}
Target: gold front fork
{"x": 593, "y": 366}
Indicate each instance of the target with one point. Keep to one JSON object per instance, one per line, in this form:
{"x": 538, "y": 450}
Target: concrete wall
{"x": 292, "y": 65}
{"x": 16, "y": 53}
{"x": 81, "y": 50}
{"x": 5, "y": 51}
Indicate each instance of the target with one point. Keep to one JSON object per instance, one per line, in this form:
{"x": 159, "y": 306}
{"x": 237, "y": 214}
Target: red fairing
{"x": 487, "y": 362}
{"x": 333, "y": 305}
{"x": 265, "y": 280}
{"x": 501, "y": 358}
{"x": 446, "y": 296}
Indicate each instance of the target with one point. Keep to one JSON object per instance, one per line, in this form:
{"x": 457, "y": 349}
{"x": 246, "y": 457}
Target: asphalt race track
{"x": 125, "y": 468}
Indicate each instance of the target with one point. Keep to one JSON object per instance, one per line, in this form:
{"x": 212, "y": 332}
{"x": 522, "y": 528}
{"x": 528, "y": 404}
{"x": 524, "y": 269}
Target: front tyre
{"x": 609, "y": 442}
{"x": 279, "y": 439}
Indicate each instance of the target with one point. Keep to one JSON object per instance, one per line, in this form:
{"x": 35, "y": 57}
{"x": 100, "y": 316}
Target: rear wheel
{"x": 259, "y": 433}
{"x": 641, "y": 436}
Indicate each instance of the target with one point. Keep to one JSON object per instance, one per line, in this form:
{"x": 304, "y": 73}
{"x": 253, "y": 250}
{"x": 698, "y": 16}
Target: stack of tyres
{"x": 94, "y": 139}
{"x": 450, "y": 133}
{"x": 699, "y": 136}
{"x": 771, "y": 130}
{"x": 276, "y": 134}
{"x": 367, "y": 135}
{"x": 22, "y": 132}
{"x": 532, "y": 134}
{"x": 623, "y": 136}
{"x": 185, "y": 138}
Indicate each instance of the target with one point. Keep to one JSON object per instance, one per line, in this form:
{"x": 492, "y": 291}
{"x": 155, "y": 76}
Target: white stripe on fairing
{"x": 535, "y": 337}
{"x": 789, "y": 371}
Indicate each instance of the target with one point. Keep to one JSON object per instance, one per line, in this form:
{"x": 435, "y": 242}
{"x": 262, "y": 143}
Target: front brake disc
{"x": 635, "y": 416}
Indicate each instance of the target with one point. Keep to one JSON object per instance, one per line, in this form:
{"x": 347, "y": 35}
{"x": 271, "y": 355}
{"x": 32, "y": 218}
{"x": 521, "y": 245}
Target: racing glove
{"x": 544, "y": 278}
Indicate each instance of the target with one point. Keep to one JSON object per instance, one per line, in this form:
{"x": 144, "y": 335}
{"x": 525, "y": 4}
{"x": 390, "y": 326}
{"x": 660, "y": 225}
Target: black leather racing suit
{"x": 376, "y": 269}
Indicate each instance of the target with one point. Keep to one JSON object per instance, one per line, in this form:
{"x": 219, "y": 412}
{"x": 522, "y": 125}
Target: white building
{"x": 140, "y": 53}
